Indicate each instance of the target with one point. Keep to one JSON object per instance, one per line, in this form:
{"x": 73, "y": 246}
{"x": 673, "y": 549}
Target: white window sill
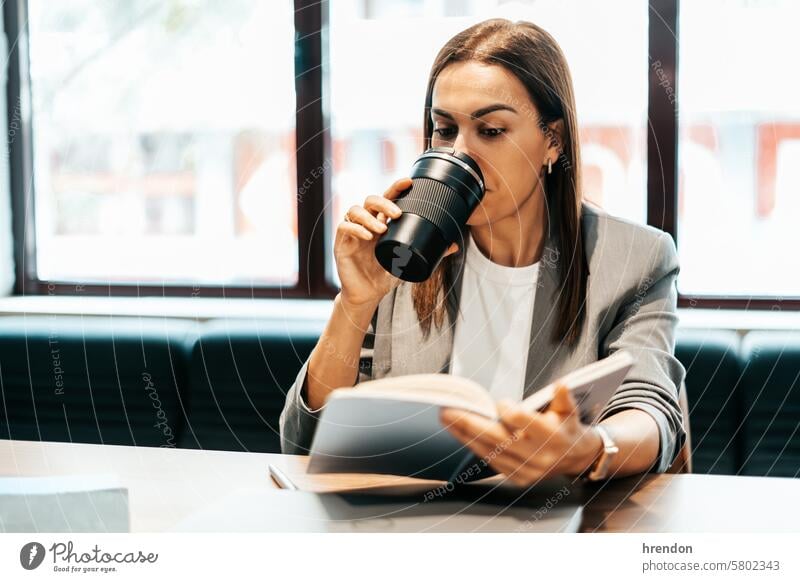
{"x": 739, "y": 320}
{"x": 202, "y": 309}
{"x": 195, "y": 308}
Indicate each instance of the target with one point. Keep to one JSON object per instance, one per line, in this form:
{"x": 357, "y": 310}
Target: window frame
{"x": 311, "y": 131}
{"x": 315, "y": 276}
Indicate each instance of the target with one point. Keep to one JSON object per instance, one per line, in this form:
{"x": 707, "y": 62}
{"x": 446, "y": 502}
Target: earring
{"x": 549, "y": 166}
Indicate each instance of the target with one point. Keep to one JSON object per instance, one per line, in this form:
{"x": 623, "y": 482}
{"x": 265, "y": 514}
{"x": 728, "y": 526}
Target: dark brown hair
{"x": 533, "y": 56}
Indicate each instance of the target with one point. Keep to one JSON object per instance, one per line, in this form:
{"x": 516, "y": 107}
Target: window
{"x": 377, "y": 129}
{"x": 163, "y": 141}
{"x": 156, "y": 148}
{"x": 739, "y": 148}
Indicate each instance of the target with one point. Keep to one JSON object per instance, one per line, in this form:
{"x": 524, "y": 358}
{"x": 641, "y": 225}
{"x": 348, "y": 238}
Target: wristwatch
{"x": 599, "y": 469}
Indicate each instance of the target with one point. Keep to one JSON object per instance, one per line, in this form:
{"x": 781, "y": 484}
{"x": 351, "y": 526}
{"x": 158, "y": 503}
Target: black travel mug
{"x": 446, "y": 187}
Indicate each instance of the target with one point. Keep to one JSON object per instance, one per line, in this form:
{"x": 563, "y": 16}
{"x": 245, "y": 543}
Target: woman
{"x": 545, "y": 284}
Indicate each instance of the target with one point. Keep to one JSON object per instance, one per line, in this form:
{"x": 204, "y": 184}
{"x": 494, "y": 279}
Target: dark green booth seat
{"x": 771, "y": 402}
{"x": 222, "y": 384}
{"x": 92, "y": 379}
{"x": 713, "y": 369}
{"x": 239, "y": 373}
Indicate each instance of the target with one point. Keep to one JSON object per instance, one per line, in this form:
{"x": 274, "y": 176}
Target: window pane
{"x": 163, "y": 136}
{"x": 378, "y": 94}
{"x": 739, "y": 201}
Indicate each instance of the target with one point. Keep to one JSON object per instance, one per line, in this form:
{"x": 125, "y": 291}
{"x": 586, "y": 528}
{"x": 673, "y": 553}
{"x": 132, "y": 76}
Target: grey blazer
{"x": 631, "y": 303}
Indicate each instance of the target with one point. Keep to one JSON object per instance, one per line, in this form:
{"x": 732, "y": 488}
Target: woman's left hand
{"x": 525, "y": 446}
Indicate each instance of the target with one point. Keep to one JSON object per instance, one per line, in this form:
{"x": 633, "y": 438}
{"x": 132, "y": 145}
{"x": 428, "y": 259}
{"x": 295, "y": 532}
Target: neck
{"x": 517, "y": 240}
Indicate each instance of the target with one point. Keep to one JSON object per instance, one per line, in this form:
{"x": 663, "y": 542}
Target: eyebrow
{"x": 478, "y": 112}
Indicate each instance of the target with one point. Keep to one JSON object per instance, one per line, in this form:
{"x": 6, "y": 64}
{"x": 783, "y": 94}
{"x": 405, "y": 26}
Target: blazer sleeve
{"x": 645, "y": 326}
{"x": 298, "y": 421}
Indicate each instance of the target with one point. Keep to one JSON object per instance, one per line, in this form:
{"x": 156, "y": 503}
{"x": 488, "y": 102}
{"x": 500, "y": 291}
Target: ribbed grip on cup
{"x": 436, "y": 202}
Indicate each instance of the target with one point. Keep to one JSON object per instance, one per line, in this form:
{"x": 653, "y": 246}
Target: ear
{"x": 555, "y": 139}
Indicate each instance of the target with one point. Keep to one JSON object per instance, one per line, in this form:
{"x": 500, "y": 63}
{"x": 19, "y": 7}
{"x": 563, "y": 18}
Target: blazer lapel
{"x": 548, "y": 359}
{"x": 382, "y": 347}
{"x": 410, "y": 352}
{"x": 542, "y": 351}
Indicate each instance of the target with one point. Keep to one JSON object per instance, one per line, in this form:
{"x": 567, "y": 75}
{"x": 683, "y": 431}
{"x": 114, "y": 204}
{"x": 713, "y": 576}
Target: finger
{"x": 539, "y": 438}
{"x": 563, "y": 403}
{"x": 469, "y": 427}
{"x": 515, "y": 455}
{"x": 397, "y": 188}
{"x": 489, "y": 454}
{"x": 505, "y": 447}
{"x": 377, "y": 205}
{"x": 531, "y": 426}
{"x": 466, "y": 436}
{"x": 517, "y": 471}
{"x": 360, "y": 215}
{"x": 453, "y": 248}
{"x": 474, "y": 424}
{"x": 513, "y": 417}
{"x": 355, "y": 230}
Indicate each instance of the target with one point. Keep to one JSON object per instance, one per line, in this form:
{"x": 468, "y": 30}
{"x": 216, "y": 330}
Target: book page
{"x": 591, "y": 386}
{"x": 437, "y": 389}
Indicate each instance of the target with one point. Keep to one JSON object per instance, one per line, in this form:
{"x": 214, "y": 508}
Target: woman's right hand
{"x": 364, "y": 281}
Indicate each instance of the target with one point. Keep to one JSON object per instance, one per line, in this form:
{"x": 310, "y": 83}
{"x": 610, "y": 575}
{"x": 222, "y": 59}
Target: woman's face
{"x": 485, "y": 112}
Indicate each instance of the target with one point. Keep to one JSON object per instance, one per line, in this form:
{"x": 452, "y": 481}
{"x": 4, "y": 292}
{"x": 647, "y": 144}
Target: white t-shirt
{"x": 492, "y": 335}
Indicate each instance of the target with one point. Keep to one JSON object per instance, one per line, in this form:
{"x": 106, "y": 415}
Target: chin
{"x": 482, "y": 214}
{"x": 480, "y": 221}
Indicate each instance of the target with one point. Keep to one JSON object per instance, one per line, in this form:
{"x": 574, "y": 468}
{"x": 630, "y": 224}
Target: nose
{"x": 461, "y": 145}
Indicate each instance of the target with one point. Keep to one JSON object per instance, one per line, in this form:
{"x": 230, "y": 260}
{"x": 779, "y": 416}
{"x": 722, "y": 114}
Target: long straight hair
{"x": 532, "y": 55}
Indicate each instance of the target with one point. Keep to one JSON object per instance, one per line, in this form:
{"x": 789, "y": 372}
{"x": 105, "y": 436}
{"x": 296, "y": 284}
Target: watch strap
{"x": 599, "y": 469}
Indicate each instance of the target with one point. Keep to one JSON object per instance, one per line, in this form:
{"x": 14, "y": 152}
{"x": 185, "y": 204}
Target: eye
{"x": 493, "y": 131}
{"x": 444, "y": 131}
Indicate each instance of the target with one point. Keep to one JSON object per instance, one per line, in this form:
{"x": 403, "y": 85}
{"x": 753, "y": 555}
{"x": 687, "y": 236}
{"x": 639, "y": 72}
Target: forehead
{"x": 465, "y": 87}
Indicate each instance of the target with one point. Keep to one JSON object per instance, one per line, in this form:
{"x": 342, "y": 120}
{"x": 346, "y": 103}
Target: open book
{"x": 392, "y": 425}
